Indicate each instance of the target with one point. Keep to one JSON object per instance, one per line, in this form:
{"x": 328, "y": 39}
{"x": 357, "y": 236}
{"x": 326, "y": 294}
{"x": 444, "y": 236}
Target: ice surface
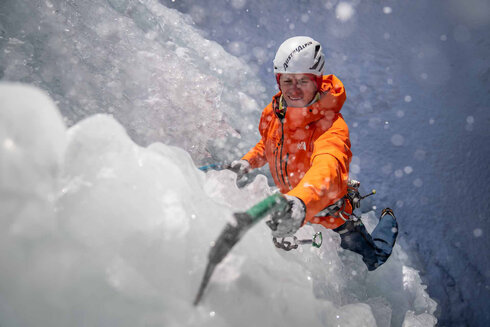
{"x": 417, "y": 70}
{"x": 30, "y": 162}
{"x": 422, "y": 67}
{"x": 129, "y": 232}
{"x": 143, "y": 63}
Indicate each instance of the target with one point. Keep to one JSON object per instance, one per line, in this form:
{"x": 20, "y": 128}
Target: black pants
{"x": 376, "y": 248}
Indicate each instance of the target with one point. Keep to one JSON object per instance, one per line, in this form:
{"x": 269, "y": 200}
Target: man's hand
{"x": 240, "y": 167}
{"x": 286, "y": 222}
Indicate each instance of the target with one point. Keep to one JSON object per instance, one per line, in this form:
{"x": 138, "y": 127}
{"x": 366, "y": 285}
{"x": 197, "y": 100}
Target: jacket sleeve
{"x": 326, "y": 180}
{"x": 256, "y": 156}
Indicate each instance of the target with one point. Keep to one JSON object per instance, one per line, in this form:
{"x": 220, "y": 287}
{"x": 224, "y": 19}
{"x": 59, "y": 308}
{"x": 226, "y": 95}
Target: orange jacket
{"x": 308, "y": 150}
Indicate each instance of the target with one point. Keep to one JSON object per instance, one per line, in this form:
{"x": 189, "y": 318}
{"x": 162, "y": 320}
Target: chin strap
{"x": 315, "y": 99}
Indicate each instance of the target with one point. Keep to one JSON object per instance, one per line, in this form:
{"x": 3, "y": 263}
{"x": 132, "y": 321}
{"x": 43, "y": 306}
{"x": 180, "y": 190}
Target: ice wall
{"x": 416, "y": 75}
{"x": 137, "y": 60}
{"x": 98, "y": 231}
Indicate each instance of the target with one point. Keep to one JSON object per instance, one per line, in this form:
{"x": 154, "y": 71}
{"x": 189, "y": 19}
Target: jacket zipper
{"x": 275, "y": 164}
{"x": 281, "y": 144}
{"x": 286, "y": 171}
{"x": 280, "y": 153}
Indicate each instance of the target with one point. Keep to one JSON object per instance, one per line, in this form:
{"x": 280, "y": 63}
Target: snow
{"x": 142, "y": 63}
{"x": 417, "y": 96}
{"x": 344, "y": 11}
{"x": 108, "y": 233}
{"x": 436, "y": 59}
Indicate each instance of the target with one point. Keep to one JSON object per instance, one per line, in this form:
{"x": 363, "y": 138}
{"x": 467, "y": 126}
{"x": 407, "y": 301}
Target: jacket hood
{"x": 332, "y": 97}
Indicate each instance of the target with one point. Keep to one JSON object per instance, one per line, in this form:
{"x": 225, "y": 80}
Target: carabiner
{"x": 316, "y": 243}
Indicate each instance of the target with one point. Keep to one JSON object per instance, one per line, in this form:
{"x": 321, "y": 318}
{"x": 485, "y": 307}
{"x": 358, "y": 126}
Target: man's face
{"x": 298, "y": 89}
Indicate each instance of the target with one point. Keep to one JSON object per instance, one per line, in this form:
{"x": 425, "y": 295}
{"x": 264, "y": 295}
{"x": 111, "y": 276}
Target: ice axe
{"x": 222, "y": 166}
{"x": 234, "y": 231}
{"x": 218, "y": 166}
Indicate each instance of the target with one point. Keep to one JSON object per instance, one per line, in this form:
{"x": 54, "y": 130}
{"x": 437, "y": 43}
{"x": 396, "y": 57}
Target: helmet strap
{"x": 278, "y": 76}
{"x": 319, "y": 82}
{"x": 315, "y": 99}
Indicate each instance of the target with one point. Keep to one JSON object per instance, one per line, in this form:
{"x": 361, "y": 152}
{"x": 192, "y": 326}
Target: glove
{"x": 287, "y": 222}
{"x": 240, "y": 167}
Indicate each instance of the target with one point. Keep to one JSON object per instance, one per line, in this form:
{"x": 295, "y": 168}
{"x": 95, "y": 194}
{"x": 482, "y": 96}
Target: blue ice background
{"x": 443, "y": 204}
{"x": 417, "y": 80}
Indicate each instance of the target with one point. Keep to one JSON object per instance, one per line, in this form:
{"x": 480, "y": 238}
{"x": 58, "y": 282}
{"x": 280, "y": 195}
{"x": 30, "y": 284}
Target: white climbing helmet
{"x": 299, "y": 55}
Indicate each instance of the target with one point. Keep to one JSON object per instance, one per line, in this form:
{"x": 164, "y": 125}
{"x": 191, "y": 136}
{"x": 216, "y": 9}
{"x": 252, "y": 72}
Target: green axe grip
{"x": 260, "y": 210}
{"x": 232, "y": 233}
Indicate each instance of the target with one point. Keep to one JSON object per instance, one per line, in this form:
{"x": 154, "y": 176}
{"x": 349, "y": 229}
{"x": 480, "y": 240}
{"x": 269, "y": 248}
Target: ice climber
{"x": 305, "y": 141}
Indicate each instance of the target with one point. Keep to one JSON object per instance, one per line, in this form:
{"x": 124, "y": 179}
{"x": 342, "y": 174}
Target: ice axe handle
{"x": 275, "y": 202}
{"x": 233, "y": 232}
{"x": 219, "y": 166}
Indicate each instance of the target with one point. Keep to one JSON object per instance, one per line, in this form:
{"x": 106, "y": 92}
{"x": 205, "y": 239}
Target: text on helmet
{"x": 298, "y": 49}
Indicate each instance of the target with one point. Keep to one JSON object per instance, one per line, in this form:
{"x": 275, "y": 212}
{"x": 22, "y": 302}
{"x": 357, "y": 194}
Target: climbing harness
{"x": 337, "y": 210}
